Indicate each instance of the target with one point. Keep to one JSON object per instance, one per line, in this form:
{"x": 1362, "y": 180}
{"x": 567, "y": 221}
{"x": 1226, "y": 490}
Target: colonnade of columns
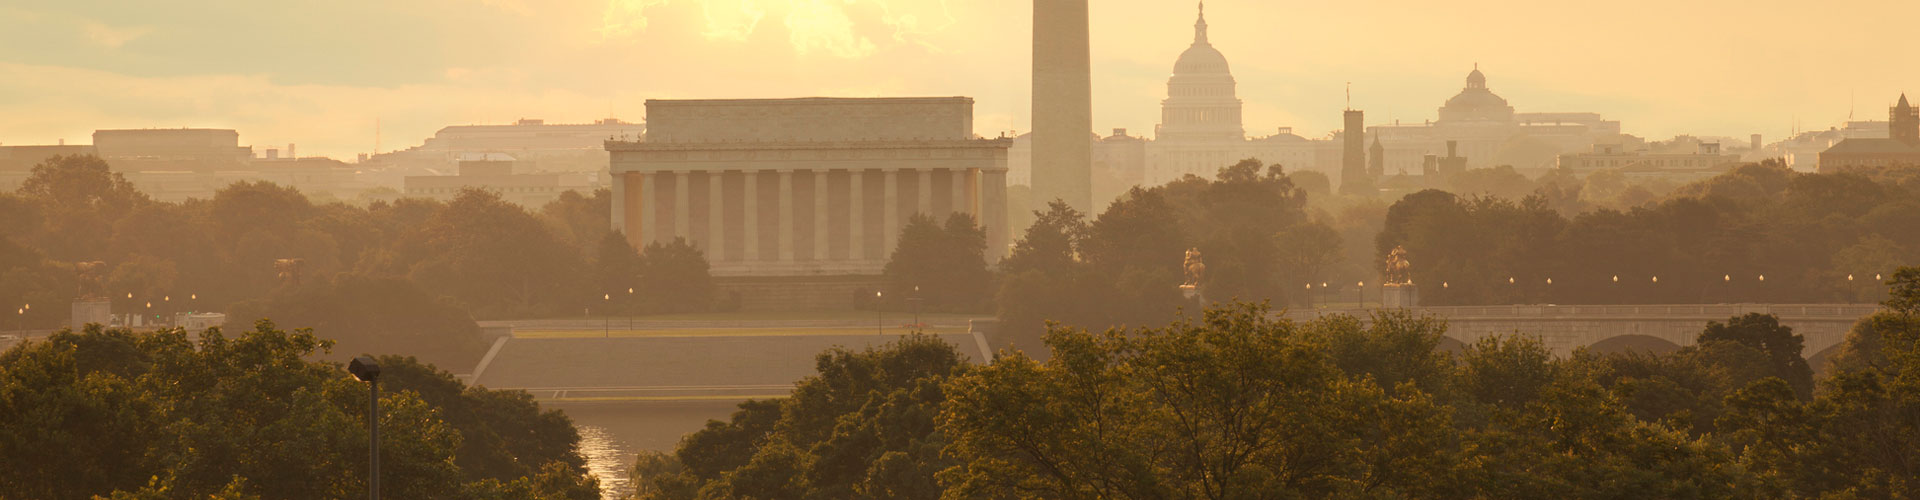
{"x": 801, "y": 216}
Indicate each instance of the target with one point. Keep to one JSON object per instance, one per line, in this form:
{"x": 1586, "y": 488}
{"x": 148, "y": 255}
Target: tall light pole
{"x": 878, "y": 329}
{"x": 1849, "y": 288}
{"x": 606, "y": 330}
{"x": 630, "y": 308}
{"x": 916, "y": 306}
{"x": 368, "y": 370}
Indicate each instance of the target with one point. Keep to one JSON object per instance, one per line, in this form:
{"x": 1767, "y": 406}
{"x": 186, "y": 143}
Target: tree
{"x": 864, "y": 427}
{"x": 1858, "y": 438}
{"x": 80, "y": 197}
{"x": 372, "y": 314}
{"x": 496, "y": 259}
{"x": 1776, "y": 343}
{"x": 580, "y": 220}
{"x": 674, "y": 278}
{"x": 616, "y": 271}
{"x": 159, "y": 415}
{"x": 1232, "y": 405}
{"x": 944, "y": 266}
{"x": 504, "y": 435}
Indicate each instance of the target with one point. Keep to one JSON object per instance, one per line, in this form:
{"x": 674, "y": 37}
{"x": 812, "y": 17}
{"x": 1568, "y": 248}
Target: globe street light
{"x": 368, "y": 370}
{"x": 606, "y": 330}
{"x": 877, "y": 328}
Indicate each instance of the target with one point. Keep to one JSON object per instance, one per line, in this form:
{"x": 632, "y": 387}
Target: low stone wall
{"x": 796, "y": 293}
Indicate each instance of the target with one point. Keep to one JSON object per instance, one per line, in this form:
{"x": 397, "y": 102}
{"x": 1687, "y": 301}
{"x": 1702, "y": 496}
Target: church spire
{"x": 1200, "y": 27}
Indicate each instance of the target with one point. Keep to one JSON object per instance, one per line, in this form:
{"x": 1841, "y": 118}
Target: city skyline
{"x": 322, "y": 76}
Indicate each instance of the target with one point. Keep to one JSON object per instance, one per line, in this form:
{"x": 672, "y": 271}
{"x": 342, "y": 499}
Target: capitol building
{"x": 1201, "y": 130}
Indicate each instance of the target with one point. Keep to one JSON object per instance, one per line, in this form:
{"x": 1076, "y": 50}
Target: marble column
{"x": 926, "y": 192}
{"x": 750, "y": 220}
{"x": 957, "y": 199}
{"x": 716, "y": 216}
{"x": 649, "y": 198}
{"x": 681, "y": 206}
{"x": 786, "y": 216}
{"x": 890, "y": 213}
{"x": 856, "y": 217}
{"x": 619, "y": 182}
{"x": 819, "y": 215}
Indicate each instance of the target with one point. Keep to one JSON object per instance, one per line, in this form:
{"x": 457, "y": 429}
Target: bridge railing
{"x": 1712, "y": 311}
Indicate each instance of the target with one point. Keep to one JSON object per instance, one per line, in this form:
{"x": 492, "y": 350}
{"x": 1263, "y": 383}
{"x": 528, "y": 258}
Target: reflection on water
{"x": 612, "y": 434}
{"x": 607, "y": 460}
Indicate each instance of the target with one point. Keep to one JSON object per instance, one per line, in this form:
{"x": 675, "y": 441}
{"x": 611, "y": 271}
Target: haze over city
{"x": 321, "y": 74}
{"x": 945, "y": 249}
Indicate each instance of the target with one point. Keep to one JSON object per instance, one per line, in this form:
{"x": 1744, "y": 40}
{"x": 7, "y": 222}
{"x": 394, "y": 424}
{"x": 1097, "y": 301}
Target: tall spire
{"x": 1200, "y": 27}
{"x": 1903, "y": 100}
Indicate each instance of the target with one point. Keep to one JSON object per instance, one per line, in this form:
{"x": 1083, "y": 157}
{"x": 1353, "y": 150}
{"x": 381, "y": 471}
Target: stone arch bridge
{"x": 1565, "y": 328}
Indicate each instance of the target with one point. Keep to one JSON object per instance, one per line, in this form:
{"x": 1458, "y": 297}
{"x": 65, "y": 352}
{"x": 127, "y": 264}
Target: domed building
{"x": 1201, "y": 103}
{"x": 1487, "y": 132}
{"x": 1200, "y": 129}
{"x": 1476, "y": 102}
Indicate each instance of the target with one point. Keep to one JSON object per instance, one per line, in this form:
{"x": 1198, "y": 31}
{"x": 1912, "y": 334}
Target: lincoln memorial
{"x": 805, "y": 187}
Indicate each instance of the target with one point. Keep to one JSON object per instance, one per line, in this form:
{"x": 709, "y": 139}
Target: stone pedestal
{"x": 1400, "y": 296}
{"x": 91, "y": 311}
{"x": 1192, "y": 292}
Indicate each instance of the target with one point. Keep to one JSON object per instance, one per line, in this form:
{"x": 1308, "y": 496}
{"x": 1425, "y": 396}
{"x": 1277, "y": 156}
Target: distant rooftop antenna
{"x": 1349, "y": 96}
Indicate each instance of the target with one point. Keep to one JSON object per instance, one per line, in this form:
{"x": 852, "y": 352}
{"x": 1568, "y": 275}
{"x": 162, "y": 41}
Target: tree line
{"x": 1757, "y": 233}
{"x": 410, "y": 275}
{"x": 1234, "y": 403}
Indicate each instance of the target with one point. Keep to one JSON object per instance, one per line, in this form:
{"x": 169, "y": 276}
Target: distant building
{"x": 1901, "y": 146}
{"x": 1119, "y": 164}
{"x": 805, "y": 187}
{"x": 16, "y": 162}
{"x": 535, "y": 145}
{"x": 497, "y": 173}
{"x": 178, "y": 150}
{"x": 1200, "y": 127}
{"x": 1489, "y": 132}
{"x": 1706, "y": 161}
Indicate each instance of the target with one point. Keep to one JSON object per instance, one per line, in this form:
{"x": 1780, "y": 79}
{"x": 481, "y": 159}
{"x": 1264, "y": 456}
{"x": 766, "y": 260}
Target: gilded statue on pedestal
{"x": 1399, "y": 270}
{"x": 1196, "y": 270}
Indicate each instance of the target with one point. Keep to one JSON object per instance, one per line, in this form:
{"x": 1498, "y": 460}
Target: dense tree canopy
{"x": 1238, "y": 404}
{"x": 162, "y": 415}
{"x": 944, "y": 266}
{"x": 404, "y": 276}
{"x": 1758, "y": 233}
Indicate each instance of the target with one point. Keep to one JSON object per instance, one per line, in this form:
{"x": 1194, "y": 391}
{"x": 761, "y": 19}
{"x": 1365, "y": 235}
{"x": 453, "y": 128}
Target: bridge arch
{"x": 1636, "y": 343}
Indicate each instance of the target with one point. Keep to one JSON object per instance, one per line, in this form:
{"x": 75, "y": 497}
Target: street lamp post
{"x": 606, "y": 330}
{"x": 630, "y": 308}
{"x": 1849, "y": 288}
{"x": 877, "y": 328}
{"x": 916, "y": 306}
{"x": 368, "y": 370}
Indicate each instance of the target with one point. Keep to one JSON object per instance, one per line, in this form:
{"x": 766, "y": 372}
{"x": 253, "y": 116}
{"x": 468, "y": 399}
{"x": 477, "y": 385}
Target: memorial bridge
{"x": 1564, "y": 328}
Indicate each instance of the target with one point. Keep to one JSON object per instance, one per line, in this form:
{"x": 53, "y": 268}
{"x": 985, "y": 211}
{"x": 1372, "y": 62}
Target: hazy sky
{"x": 319, "y": 73}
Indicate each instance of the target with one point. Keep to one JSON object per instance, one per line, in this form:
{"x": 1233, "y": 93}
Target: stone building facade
{"x": 805, "y": 187}
{"x": 1901, "y": 147}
